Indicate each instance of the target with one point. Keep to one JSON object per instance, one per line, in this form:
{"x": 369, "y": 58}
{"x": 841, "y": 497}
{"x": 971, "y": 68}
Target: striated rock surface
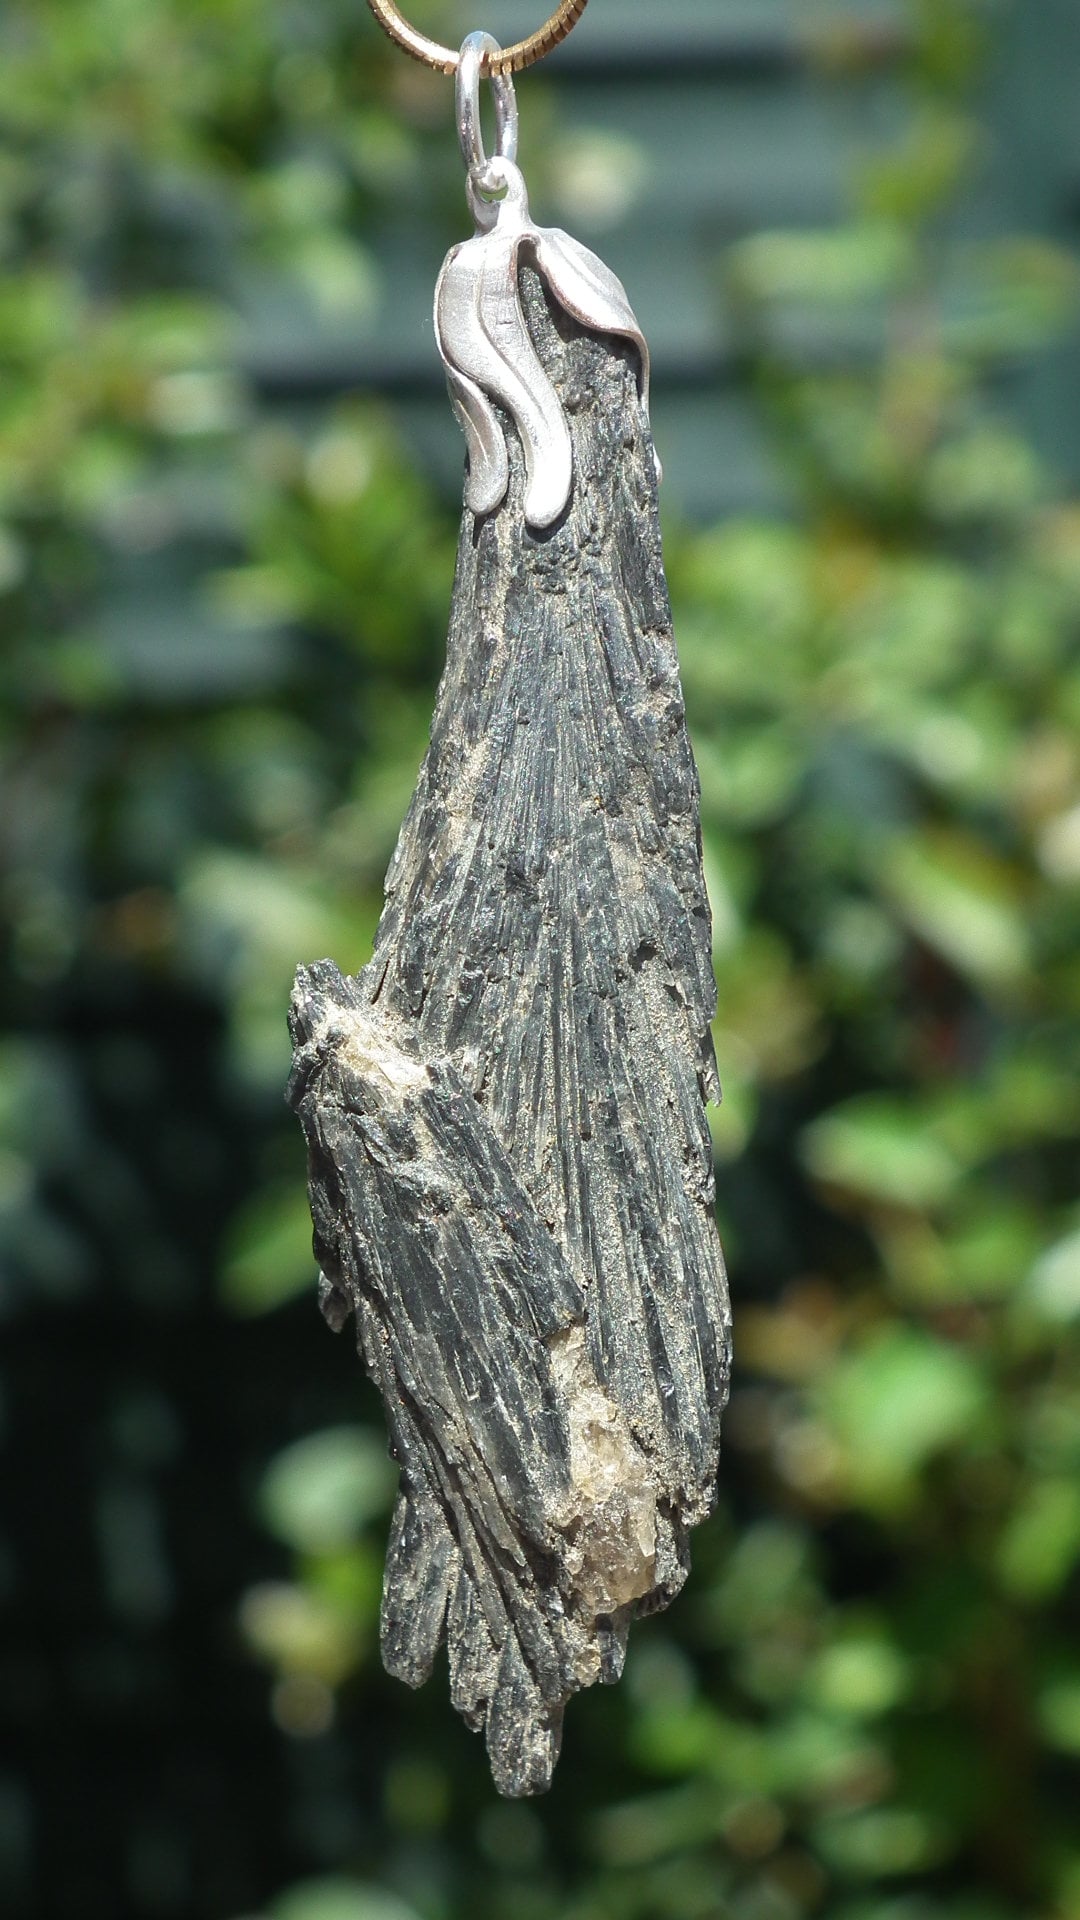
{"x": 511, "y": 1170}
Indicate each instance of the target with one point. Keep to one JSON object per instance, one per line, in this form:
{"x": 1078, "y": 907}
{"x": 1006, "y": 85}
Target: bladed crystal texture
{"x": 510, "y": 1164}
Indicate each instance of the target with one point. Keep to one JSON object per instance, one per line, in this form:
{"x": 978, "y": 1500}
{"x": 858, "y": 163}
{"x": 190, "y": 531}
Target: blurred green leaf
{"x": 881, "y": 1843}
{"x": 340, "y": 1900}
{"x": 1011, "y": 295}
{"x": 1041, "y": 1545}
{"x": 1059, "y": 1712}
{"x": 910, "y": 183}
{"x": 299, "y": 1632}
{"x": 839, "y": 265}
{"x": 319, "y": 1494}
{"x": 269, "y": 1260}
{"x": 883, "y": 1152}
{"x": 990, "y": 473}
{"x": 1053, "y": 1285}
{"x": 859, "y": 1678}
{"x": 964, "y": 903}
{"x": 894, "y": 1403}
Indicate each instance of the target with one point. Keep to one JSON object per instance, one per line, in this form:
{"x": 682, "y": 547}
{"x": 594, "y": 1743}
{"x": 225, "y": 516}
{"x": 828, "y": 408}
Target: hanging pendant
{"x": 510, "y": 1165}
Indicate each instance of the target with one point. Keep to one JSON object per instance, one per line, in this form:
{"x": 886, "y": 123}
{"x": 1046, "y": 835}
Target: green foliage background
{"x": 866, "y": 1706}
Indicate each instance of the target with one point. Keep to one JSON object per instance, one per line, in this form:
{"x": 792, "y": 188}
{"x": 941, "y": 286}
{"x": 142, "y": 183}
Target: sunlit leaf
{"x": 269, "y": 1260}
{"x": 882, "y": 1843}
{"x": 859, "y": 1678}
{"x": 1053, "y": 1285}
{"x": 964, "y": 903}
{"x": 836, "y": 266}
{"x": 320, "y": 1493}
{"x": 1041, "y": 1545}
{"x": 883, "y": 1152}
{"x": 298, "y": 1632}
{"x": 894, "y": 1403}
{"x": 1059, "y": 1712}
{"x": 340, "y": 1900}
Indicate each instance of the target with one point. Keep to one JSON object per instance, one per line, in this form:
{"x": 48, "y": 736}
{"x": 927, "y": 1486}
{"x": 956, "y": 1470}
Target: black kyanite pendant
{"x": 511, "y": 1170}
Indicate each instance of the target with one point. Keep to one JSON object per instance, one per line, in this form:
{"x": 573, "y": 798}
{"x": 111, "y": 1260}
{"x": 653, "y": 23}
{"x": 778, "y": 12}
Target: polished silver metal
{"x": 483, "y": 337}
{"x": 470, "y": 131}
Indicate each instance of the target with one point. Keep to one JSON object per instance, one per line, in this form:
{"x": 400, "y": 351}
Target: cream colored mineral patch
{"x": 611, "y": 1517}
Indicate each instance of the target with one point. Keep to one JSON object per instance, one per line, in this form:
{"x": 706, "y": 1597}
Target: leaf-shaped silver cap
{"x": 489, "y": 353}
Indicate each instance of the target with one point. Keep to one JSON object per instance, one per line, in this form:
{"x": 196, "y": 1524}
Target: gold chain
{"x": 507, "y": 60}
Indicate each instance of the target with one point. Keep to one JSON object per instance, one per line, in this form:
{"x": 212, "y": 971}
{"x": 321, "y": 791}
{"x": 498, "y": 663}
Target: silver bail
{"x": 486, "y": 180}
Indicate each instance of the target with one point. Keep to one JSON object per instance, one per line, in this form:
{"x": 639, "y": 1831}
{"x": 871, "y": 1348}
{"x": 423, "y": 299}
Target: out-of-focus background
{"x": 229, "y": 483}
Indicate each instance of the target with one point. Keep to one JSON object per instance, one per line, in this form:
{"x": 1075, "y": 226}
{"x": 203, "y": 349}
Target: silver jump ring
{"x": 470, "y": 132}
